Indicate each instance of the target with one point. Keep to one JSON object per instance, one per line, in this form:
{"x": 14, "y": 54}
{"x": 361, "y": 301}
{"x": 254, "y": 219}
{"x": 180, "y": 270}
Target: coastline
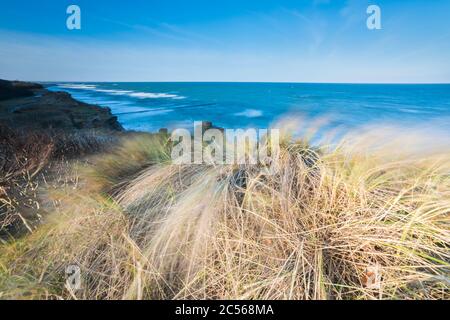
{"x": 25, "y": 106}
{"x": 42, "y": 133}
{"x": 113, "y": 204}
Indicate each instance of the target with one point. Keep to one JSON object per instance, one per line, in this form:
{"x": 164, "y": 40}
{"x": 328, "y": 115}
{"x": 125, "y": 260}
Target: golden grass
{"x": 140, "y": 227}
{"x": 29, "y": 160}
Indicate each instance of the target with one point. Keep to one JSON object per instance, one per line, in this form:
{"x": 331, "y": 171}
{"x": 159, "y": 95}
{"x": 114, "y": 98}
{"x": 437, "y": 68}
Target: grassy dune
{"x": 31, "y": 160}
{"x": 323, "y": 225}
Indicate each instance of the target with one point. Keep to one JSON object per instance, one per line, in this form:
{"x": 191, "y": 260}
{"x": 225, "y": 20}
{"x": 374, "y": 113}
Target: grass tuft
{"x": 367, "y": 218}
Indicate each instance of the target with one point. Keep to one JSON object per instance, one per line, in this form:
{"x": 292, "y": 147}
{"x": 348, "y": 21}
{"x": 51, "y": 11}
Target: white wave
{"x": 78, "y": 86}
{"x": 134, "y": 94}
{"x": 410, "y": 110}
{"x": 249, "y": 113}
{"x": 151, "y": 95}
{"x": 146, "y": 113}
{"x": 114, "y": 92}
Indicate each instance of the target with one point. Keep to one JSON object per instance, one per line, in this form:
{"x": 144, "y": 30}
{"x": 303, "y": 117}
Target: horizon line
{"x": 216, "y": 81}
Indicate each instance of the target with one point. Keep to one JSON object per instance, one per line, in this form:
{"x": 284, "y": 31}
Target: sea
{"x": 150, "y": 106}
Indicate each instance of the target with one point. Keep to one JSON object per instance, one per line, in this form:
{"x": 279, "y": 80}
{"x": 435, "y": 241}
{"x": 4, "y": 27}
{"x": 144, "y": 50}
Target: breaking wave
{"x": 130, "y": 93}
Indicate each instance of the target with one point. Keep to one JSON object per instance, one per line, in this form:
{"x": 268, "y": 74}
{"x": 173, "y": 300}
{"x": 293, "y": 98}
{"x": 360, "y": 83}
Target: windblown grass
{"x": 22, "y": 158}
{"x": 28, "y": 160}
{"x": 320, "y": 226}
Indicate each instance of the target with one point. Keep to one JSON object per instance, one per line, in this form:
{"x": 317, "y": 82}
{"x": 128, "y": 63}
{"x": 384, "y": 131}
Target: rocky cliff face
{"x": 17, "y": 89}
{"x": 26, "y": 105}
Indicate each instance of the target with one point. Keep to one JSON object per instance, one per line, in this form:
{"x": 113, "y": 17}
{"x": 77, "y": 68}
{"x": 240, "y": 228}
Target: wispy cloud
{"x": 315, "y": 28}
{"x": 166, "y": 31}
{"x": 321, "y": 41}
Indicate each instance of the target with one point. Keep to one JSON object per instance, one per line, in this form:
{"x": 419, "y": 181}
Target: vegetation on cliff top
{"x": 367, "y": 219}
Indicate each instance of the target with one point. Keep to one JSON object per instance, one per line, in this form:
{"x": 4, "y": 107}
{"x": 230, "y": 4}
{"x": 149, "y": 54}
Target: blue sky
{"x": 199, "y": 40}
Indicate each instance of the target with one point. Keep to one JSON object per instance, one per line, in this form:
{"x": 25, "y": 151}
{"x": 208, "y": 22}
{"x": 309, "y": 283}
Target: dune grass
{"x": 28, "y": 161}
{"x": 364, "y": 219}
{"x": 22, "y": 158}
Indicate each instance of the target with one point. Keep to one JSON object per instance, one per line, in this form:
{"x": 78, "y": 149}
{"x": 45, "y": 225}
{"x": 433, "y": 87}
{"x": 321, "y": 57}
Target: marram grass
{"x": 140, "y": 227}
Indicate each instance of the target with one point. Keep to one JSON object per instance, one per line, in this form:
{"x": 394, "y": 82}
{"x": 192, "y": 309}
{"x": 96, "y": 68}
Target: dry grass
{"x": 319, "y": 227}
{"x": 22, "y": 158}
{"x": 27, "y": 161}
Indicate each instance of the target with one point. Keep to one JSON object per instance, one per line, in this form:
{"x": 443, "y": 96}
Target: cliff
{"x": 25, "y": 105}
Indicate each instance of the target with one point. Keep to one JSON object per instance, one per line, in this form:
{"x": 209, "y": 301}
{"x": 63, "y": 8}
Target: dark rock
{"x": 16, "y": 89}
{"x": 30, "y": 106}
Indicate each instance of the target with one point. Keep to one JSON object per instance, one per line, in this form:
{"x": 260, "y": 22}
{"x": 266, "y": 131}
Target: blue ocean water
{"x": 151, "y": 106}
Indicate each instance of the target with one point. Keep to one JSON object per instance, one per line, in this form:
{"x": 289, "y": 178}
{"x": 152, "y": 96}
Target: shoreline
{"x": 41, "y": 132}
{"x": 128, "y": 214}
{"x": 26, "y": 105}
